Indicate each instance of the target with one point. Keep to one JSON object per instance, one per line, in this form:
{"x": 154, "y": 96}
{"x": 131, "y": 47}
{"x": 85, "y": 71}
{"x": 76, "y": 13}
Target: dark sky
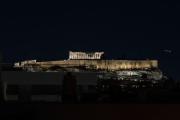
{"x": 133, "y": 31}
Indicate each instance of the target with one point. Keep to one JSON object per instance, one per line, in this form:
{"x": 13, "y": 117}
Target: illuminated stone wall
{"x": 105, "y": 64}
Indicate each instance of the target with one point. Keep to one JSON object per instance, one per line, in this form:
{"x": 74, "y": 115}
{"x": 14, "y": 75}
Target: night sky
{"x": 127, "y": 31}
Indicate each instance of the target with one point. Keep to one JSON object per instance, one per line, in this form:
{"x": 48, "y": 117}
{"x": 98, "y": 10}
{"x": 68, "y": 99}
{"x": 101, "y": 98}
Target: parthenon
{"x": 84, "y": 55}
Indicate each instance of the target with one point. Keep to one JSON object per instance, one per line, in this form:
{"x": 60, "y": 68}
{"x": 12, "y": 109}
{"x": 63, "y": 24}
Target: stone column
{"x": 97, "y": 55}
{"x": 77, "y": 56}
{"x": 70, "y": 56}
{"x": 84, "y": 56}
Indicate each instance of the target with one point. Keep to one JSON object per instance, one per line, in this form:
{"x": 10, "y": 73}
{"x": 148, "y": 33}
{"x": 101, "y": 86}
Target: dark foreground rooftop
{"x": 89, "y": 111}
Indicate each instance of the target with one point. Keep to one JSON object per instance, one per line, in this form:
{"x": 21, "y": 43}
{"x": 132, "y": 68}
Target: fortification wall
{"x": 107, "y": 64}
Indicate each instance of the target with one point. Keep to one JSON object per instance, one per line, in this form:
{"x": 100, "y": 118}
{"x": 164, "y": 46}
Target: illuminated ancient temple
{"x": 85, "y": 55}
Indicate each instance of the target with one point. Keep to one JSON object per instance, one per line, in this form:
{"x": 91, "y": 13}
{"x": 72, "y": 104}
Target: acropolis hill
{"x": 92, "y": 60}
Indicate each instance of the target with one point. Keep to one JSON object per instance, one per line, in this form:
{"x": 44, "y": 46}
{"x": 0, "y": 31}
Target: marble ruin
{"x": 84, "y": 55}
